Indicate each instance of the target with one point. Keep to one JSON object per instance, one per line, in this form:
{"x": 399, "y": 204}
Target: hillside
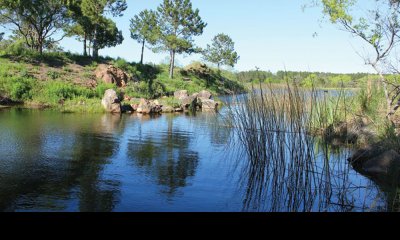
{"x": 68, "y": 82}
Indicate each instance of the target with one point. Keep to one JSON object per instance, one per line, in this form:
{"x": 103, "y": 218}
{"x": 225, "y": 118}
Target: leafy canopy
{"x": 222, "y": 51}
{"x": 178, "y": 23}
{"x": 144, "y": 27}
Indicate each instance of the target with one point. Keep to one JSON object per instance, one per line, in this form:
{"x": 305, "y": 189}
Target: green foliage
{"x": 171, "y": 101}
{"x": 144, "y": 29}
{"x": 91, "y": 23}
{"x": 53, "y": 75}
{"x": 21, "y": 90}
{"x": 35, "y": 21}
{"x": 102, "y": 88}
{"x": 178, "y": 23}
{"x": 222, "y": 51}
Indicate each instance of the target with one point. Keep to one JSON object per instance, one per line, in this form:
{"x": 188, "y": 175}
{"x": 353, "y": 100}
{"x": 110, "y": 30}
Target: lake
{"x": 174, "y": 162}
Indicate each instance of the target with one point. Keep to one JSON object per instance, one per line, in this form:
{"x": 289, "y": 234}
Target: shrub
{"x": 102, "y": 88}
{"x": 53, "y": 75}
{"x": 21, "y": 89}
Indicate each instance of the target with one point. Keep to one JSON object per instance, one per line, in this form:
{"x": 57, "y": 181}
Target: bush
{"x": 53, "y": 75}
{"x": 21, "y": 89}
{"x": 102, "y": 88}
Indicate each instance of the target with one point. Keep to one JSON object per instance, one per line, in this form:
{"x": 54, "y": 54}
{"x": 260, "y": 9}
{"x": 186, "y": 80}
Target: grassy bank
{"x": 67, "y": 82}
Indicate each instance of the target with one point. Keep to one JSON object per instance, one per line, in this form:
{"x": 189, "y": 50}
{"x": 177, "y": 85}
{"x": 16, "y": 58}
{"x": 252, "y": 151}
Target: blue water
{"x": 175, "y": 162}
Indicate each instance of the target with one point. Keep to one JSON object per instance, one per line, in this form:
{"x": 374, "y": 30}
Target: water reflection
{"x": 165, "y": 155}
{"x": 48, "y": 160}
{"x": 174, "y": 162}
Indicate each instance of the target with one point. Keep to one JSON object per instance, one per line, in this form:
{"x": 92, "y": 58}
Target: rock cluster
{"x": 197, "y": 101}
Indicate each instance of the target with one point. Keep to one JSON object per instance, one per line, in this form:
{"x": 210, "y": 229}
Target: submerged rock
{"x": 110, "y": 101}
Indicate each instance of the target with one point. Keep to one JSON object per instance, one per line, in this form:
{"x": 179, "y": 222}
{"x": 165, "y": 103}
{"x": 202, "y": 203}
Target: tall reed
{"x": 285, "y": 169}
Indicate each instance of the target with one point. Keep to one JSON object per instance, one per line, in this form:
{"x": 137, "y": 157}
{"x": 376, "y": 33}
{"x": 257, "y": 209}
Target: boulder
{"x": 144, "y": 106}
{"x": 208, "y": 104}
{"x": 181, "y": 94}
{"x": 196, "y": 95}
{"x": 111, "y": 102}
{"x": 148, "y": 107}
{"x": 358, "y": 159}
{"x": 135, "y": 107}
{"x": 189, "y": 101}
{"x": 205, "y": 95}
{"x": 112, "y": 74}
{"x": 167, "y": 109}
{"x": 198, "y": 69}
{"x": 382, "y": 164}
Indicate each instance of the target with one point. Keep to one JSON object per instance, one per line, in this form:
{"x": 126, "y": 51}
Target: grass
{"x": 26, "y": 76}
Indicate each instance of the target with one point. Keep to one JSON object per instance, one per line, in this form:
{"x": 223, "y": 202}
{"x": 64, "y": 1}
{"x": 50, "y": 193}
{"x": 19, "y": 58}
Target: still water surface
{"x": 76, "y": 162}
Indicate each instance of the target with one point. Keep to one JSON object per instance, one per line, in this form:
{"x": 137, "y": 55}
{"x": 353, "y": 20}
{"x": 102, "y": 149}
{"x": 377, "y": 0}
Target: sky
{"x": 269, "y": 34}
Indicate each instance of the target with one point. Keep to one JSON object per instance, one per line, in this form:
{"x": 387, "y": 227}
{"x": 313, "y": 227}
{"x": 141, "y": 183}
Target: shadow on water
{"x": 285, "y": 169}
{"x": 48, "y": 160}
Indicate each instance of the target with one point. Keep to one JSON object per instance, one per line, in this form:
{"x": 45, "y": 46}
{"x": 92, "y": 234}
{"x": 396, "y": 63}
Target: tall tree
{"x": 178, "y": 23}
{"x": 82, "y": 27}
{"x": 36, "y": 21}
{"x": 95, "y": 11}
{"x": 379, "y": 28}
{"x": 144, "y": 28}
{"x": 222, "y": 51}
{"x": 1, "y": 36}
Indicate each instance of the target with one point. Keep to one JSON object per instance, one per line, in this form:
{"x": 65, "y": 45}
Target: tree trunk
{"x": 172, "y": 65}
{"x": 141, "y": 58}
{"x": 85, "y": 46}
{"x": 95, "y": 45}
{"x": 40, "y": 46}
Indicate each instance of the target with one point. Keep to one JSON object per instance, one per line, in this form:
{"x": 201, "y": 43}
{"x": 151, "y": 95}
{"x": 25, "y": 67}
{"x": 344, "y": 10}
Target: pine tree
{"x": 144, "y": 29}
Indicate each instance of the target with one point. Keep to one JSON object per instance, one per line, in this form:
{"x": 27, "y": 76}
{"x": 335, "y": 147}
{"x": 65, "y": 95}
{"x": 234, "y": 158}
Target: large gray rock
{"x": 189, "y": 101}
{"x": 208, "y": 104}
{"x": 111, "y": 102}
{"x": 382, "y": 164}
{"x": 181, "y": 94}
{"x": 204, "y": 95}
{"x": 148, "y": 107}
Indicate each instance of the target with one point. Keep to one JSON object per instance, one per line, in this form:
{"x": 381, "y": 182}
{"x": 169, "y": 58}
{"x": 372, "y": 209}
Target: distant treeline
{"x": 308, "y": 79}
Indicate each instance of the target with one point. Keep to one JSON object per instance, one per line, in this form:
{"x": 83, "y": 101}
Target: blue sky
{"x": 270, "y": 34}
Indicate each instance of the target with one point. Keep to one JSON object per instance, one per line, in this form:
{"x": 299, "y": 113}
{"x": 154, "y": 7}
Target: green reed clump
{"x": 284, "y": 168}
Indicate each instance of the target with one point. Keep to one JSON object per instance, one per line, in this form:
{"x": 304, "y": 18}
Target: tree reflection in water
{"x": 55, "y": 160}
{"x": 165, "y": 155}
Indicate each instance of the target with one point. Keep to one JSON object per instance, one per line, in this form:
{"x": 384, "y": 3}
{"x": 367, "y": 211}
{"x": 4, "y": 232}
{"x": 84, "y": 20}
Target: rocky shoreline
{"x": 202, "y": 101}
